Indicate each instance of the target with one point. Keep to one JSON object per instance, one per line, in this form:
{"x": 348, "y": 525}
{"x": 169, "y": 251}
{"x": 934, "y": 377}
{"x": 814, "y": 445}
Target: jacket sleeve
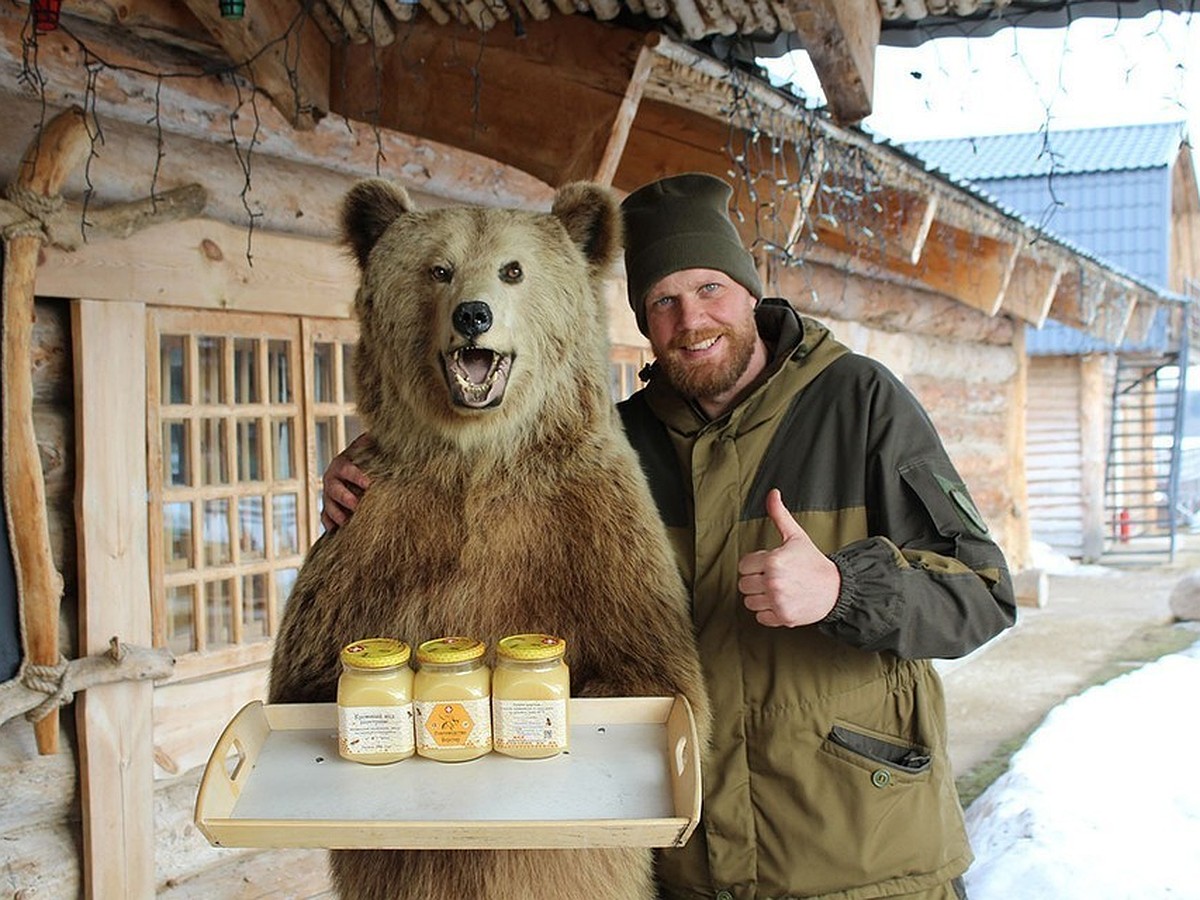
{"x": 929, "y": 581}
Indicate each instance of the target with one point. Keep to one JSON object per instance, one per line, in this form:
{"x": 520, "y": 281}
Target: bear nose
{"x": 472, "y": 318}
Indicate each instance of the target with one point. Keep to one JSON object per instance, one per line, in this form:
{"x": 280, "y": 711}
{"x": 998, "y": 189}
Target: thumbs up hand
{"x": 794, "y": 584}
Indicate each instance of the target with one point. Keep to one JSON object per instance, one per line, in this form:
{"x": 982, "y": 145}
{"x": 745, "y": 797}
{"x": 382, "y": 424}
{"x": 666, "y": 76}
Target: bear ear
{"x": 370, "y": 207}
{"x": 592, "y": 217}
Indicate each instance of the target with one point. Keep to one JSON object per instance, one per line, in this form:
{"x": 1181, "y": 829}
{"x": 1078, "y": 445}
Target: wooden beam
{"x": 1116, "y": 308}
{"x": 840, "y": 37}
{"x": 1142, "y": 319}
{"x": 619, "y": 134}
{"x": 894, "y": 220}
{"x": 154, "y": 21}
{"x": 284, "y": 51}
{"x": 203, "y": 264}
{"x": 114, "y": 721}
{"x": 1032, "y": 287}
{"x": 973, "y": 269}
{"x": 200, "y": 108}
{"x": 547, "y": 102}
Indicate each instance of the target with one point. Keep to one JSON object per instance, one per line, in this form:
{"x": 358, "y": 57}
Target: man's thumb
{"x": 788, "y": 526}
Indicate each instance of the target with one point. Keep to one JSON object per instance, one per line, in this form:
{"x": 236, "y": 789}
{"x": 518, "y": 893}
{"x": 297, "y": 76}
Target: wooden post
{"x": 62, "y": 145}
{"x": 115, "y": 721}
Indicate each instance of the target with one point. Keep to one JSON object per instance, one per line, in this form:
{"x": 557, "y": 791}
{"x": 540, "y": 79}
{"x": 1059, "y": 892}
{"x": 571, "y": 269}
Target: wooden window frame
{"x": 301, "y": 333}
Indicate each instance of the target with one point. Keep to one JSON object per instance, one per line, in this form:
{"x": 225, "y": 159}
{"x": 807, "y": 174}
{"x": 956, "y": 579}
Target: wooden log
{"x": 62, "y": 145}
{"x": 122, "y": 220}
{"x": 121, "y": 663}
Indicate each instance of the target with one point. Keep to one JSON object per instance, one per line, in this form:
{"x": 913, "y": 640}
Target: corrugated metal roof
{"x": 1116, "y": 148}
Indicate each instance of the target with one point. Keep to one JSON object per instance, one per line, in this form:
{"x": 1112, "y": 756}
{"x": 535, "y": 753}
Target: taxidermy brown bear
{"x": 504, "y": 498}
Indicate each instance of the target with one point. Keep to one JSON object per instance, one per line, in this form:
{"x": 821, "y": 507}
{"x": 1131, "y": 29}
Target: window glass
{"x": 249, "y": 450}
{"x": 177, "y": 453}
{"x": 218, "y": 608}
{"x": 247, "y": 407}
{"x": 179, "y": 611}
{"x": 245, "y": 371}
{"x": 177, "y": 536}
{"x": 323, "y": 373}
{"x": 348, "y": 373}
{"x": 211, "y": 352}
{"x": 173, "y": 363}
{"x": 281, "y": 371}
{"x": 214, "y": 467}
{"x": 281, "y": 449}
{"x": 252, "y": 542}
{"x": 254, "y": 608}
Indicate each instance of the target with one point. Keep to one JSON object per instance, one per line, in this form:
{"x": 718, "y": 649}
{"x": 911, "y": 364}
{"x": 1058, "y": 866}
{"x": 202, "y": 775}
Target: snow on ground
{"x": 1103, "y": 801}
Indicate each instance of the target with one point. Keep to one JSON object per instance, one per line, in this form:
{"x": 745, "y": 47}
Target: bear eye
{"x": 441, "y": 273}
{"x": 511, "y": 273}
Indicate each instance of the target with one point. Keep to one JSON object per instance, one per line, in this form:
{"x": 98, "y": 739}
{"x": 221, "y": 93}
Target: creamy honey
{"x": 452, "y": 700}
{"x": 374, "y": 700}
{"x": 531, "y": 690}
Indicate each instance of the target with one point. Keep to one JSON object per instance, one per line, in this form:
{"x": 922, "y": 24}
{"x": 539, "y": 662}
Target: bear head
{"x": 480, "y": 326}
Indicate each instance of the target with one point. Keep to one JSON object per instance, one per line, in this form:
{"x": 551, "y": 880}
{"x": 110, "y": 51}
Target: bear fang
{"x": 477, "y": 376}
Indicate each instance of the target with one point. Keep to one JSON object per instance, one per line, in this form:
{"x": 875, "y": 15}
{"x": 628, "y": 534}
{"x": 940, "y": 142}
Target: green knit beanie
{"x": 682, "y": 222}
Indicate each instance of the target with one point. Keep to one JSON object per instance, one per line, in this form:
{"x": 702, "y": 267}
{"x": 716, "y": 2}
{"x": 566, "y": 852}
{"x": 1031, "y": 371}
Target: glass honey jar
{"x": 531, "y": 691}
{"x": 374, "y": 701}
{"x": 452, "y": 700}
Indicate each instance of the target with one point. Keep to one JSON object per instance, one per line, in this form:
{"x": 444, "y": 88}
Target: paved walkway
{"x": 1004, "y": 690}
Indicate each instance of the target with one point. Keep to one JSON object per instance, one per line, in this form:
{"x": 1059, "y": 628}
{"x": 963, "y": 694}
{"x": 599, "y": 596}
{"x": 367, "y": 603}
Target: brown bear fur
{"x": 526, "y": 514}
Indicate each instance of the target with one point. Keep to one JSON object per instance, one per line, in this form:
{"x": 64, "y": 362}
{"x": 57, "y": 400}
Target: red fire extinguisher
{"x": 1123, "y": 526}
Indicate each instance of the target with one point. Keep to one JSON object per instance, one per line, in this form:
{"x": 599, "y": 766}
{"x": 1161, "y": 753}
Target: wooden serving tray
{"x": 630, "y": 779}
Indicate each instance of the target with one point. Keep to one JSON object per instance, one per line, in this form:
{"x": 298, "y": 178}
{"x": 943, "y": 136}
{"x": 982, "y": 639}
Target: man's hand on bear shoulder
{"x": 343, "y": 485}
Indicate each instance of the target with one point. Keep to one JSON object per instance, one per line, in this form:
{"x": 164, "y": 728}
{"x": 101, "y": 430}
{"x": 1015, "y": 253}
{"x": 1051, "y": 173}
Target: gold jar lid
{"x": 376, "y": 653}
{"x": 447, "y": 650}
{"x": 531, "y": 647}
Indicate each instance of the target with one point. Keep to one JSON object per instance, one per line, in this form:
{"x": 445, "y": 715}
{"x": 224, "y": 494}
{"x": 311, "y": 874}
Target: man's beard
{"x": 710, "y": 378}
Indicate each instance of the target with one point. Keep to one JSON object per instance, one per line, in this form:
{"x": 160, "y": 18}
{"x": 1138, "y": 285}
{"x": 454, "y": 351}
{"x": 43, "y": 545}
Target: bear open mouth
{"x": 477, "y": 376}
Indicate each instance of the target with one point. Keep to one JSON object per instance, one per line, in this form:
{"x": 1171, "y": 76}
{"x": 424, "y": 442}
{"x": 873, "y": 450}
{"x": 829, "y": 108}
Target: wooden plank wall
{"x": 1054, "y": 455}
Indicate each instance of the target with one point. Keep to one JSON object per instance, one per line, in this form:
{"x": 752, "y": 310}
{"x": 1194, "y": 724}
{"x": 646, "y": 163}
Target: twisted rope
{"x": 50, "y": 680}
{"x": 36, "y": 205}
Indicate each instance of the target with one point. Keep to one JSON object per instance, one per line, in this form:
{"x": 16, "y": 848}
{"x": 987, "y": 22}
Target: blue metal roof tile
{"x": 1037, "y": 154}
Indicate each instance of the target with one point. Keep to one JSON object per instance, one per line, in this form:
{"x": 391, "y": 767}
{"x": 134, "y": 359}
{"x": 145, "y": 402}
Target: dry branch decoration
{"x": 33, "y": 214}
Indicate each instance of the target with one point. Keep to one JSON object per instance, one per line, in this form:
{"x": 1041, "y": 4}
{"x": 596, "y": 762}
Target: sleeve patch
{"x": 963, "y": 504}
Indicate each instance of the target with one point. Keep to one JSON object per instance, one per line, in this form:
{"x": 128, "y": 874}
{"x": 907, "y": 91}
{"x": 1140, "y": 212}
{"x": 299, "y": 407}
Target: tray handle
{"x": 230, "y": 763}
{"x": 685, "y": 765}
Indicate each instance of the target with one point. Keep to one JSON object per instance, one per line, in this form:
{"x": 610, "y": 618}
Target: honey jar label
{"x": 536, "y": 724}
{"x": 456, "y": 723}
{"x": 375, "y": 729}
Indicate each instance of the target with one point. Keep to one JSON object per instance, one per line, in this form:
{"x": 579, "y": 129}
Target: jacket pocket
{"x": 879, "y": 751}
{"x": 945, "y": 498}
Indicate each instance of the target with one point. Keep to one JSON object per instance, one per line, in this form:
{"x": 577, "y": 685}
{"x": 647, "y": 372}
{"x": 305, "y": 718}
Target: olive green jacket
{"x": 828, "y": 774}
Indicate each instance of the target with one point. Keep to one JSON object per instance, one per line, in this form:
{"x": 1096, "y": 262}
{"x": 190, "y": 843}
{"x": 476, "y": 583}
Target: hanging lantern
{"x": 232, "y": 9}
{"x": 45, "y": 15}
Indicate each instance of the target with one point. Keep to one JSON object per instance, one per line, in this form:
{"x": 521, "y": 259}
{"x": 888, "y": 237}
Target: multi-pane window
{"x": 230, "y": 412}
{"x": 331, "y": 418}
{"x": 624, "y": 364}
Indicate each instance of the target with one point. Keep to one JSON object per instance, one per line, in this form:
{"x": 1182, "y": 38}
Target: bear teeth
{"x": 477, "y": 376}
{"x": 462, "y": 373}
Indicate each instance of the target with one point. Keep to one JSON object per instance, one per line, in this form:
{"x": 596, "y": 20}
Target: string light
{"x": 45, "y": 15}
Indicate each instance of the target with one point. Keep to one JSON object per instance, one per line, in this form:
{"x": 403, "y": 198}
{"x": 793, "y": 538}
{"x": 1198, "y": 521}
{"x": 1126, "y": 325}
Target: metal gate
{"x": 1142, "y": 473}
